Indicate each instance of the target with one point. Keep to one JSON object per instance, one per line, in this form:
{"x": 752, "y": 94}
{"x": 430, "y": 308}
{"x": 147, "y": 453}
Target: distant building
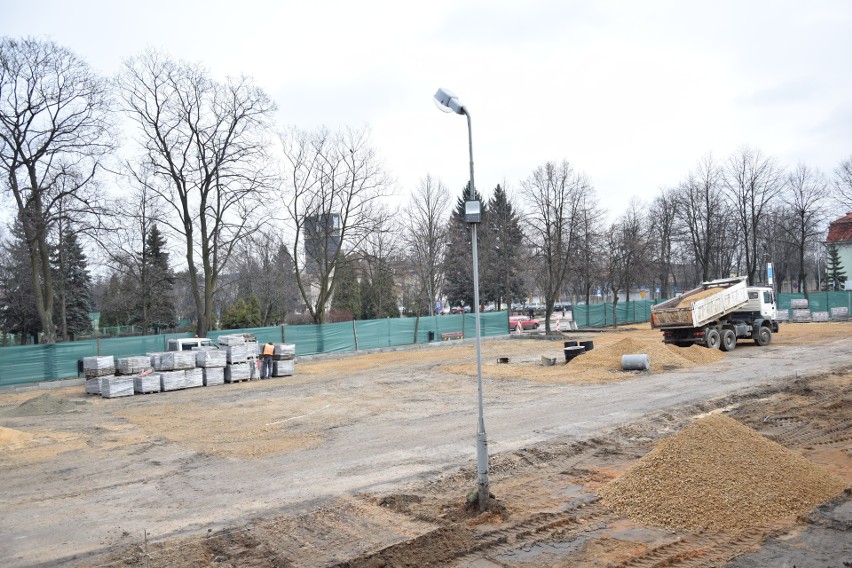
{"x": 840, "y": 235}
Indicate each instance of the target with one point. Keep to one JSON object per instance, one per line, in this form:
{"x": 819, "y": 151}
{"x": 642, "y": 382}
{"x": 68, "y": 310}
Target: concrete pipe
{"x": 639, "y": 362}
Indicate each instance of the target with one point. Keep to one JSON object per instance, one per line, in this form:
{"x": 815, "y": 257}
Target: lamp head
{"x": 446, "y": 101}
{"x": 472, "y": 212}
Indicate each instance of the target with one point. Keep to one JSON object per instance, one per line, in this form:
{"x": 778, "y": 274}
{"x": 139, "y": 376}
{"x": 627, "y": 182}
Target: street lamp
{"x": 447, "y": 102}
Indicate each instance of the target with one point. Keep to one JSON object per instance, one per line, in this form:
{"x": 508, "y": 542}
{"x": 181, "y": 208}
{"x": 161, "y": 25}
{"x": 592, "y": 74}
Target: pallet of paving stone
{"x": 217, "y": 358}
{"x": 172, "y": 380}
{"x": 839, "y": 314}
{"x": 235, "y": 339}
{"x": 799, "y": 303}
{"x": 146, "y": 384}
{"x": 177, "y": 360}
{"x": 800, "y": 315}
{"x": 237, "y": 353}
{"x": 112, "y": 386}
{"x": 132, "y": 365}
{"x": 283, "y": 368}
{"x": 783, "y": 315}
{"x": 98, "y": 366}
{"x": 819, "y": 316}
{"x": 194, "y": 378}
{"x": 211, "y": 376}
{"x": 284, "y": 351}
{"x": 93, "y": 386}
{"x": 236, "y": 372}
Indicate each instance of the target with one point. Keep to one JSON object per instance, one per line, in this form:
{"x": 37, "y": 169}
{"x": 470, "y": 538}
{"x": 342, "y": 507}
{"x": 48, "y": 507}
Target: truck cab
{"x": 188, "y": 344}
{"x": 761, "y": 302}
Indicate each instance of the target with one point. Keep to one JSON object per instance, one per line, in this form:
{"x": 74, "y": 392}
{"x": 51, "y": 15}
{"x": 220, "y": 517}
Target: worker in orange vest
{"x": 266, "y": 360}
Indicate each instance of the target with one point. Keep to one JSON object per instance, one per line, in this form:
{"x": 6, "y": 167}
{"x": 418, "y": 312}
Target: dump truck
{"x": 718, "y": 313}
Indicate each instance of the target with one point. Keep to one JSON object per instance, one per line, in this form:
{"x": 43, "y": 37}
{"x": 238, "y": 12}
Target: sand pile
{"x": 12, "y": 437}
{"x": 687, "y": 300}
{"x": 718, "y": 474}
{"x": 662, "y": 356}
{"x": 45, "y": 404}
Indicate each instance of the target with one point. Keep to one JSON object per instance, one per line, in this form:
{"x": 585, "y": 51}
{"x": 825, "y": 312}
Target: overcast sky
{"x": 631, "y": 93}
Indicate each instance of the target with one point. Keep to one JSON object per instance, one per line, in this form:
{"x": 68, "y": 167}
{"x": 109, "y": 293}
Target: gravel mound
{"x": 718, "y": 474}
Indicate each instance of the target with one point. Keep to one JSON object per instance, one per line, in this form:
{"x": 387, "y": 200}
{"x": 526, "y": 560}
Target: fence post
{"x": 355, "y": 334}
{"x": 99, "y": 345}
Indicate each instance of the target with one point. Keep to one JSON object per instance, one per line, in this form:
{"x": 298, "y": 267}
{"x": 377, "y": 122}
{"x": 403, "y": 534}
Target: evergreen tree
{"x": 834, "y": 278}
{"x": 458, "y": 264}
{"x": 117, "y": 304}
{"x": 242, "y": 314}
{"x": 502, "y": 271}
{"x": 73, "y": 287}
{"x": 347, "y": 293}
{"x": 18, "y": 313}
{"x": 155, "y": 304}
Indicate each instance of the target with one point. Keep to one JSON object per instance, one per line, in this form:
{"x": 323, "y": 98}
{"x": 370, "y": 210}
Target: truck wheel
{"x": 712, "y": 339}
{"x": 764, "y": 336}
{"x": 729, "y": 340}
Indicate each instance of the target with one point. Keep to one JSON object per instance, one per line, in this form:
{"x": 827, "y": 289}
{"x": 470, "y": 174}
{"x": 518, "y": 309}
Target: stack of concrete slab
{"x": 819, "y": 316}
{"x": 211, "y": 376}
{"x": 177, "y": 360}
{"x": 215, "y": 358}
{"x": 172, "y": 380}
{"x": 132, "y": 365}
{"x": 783, "y": 315}
{"x": 252, "y": 354}
{"x": 800, "y": 315}
{"x": 236, "y": 372}
{"x": 98, "y": 366}
{"x": 112, "y": 386}
{"x": 839, "y": 314}
{"x": 283, "y": 359}
{"x": 194, "y": 378}
{"x": 145, "y": 384}
{"x": 93, "y": 386}
{"x": 799, "y": 303}
{"x": 157, "y": 360}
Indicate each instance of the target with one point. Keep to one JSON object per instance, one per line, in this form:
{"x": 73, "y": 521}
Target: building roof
{"x": 840, "y": 230}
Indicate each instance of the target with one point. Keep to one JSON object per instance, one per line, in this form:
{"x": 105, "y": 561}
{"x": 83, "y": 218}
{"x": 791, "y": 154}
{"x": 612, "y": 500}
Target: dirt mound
{"x": 10, "y": 436}
{"x": 45, "y": 404}
{"x": 700, "y": 295}
{"x": 718, "y": 474}
{"x": 662, "y": 356}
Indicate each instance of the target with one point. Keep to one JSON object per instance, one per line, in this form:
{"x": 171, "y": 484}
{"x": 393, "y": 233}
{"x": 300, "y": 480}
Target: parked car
{"x": 526, "y": 322}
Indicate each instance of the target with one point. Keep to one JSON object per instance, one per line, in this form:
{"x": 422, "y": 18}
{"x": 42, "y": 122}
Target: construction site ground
{"x": 367, "y": 460}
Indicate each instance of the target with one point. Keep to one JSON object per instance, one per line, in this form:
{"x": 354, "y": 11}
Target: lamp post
{"x": 447, "y": 102}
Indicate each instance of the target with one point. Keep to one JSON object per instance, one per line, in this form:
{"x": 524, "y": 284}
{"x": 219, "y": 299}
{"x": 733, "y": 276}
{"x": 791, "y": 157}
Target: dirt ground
{"x": 366, "y": 460}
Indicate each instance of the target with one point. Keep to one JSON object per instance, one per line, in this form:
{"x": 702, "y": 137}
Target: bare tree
{"x": 634, "y": 245}
{"x": 205, "y": 145}
{"x": 332, "y": 202}
{"x": 843, "y": 183}
{"x": 752, "y": 181}
{"x": 662, "y": 237}
{"x": 702, "y": 214}
{"x": 53, "y": 136}
{"x": 805, "y": 213}
{"x": 425, "y": 238}
{"x": 589, "y": 246}
{"x": 556, "y": 196}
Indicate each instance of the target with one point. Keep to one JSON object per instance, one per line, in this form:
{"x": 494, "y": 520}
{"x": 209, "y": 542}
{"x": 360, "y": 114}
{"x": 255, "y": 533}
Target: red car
{"x": 525, "y": 322}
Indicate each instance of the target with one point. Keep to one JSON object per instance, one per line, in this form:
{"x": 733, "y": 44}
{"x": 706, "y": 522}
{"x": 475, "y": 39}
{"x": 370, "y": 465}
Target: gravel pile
{"x": 721, "y": 475}
{"x": 700, "y": 295}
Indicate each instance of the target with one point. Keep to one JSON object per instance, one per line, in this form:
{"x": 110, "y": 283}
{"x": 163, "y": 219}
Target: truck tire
{"x": 764, "y": 336}
{"x": 729, "y": 340}
{"x": 712, "y": 339}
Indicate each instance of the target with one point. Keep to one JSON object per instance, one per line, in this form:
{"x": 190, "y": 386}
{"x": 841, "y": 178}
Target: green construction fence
{"x": 600, "y": 315}
{"x": 27, "y": 364}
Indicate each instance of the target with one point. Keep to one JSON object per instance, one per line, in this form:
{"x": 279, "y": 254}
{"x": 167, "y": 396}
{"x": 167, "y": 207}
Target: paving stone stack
{"x": 172, "y": 380}
{"x": 237, "y": 368}
{"x": 840, "y": 314}
{"x": 819, "y": 316}
{"x": 283, "y": 360}
{"x": 212, "y": 365}
{"x": 98, "y": 366}
{"x": 112, "y": 386}
{"x": 132, "y": 365}
{"x": 177, "y": 360}
{"x": 194, "y": 378}
{"x": 252, "y": 354}
{"x": 145, "y": 384}
{"x": 93, "y": 386}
